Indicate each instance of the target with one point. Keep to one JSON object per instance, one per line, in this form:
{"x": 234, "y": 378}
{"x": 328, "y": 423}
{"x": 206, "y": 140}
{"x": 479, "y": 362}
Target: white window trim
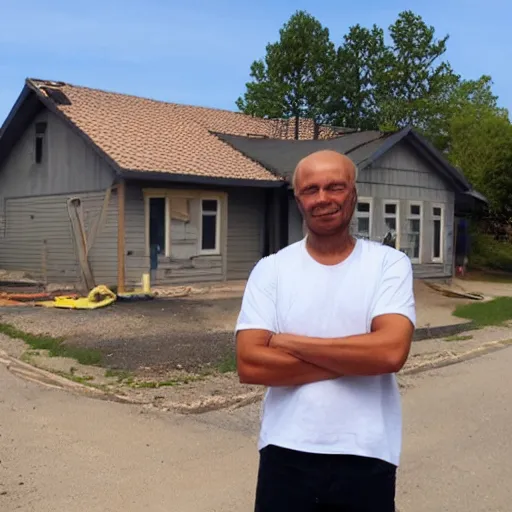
{"x": 364, "y": 215}
{"x": 397, "y": 217}
{"x": 441, "y": 234}
{"x": 218, "y": 215}
{"x": 188, "y": 194}
{"x": 420, "y": 217}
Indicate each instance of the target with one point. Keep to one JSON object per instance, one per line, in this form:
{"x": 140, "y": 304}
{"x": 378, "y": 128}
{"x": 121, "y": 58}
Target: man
{"x": 325, "y": 323}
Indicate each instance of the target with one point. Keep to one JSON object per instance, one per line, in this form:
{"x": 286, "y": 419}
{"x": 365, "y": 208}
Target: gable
{"x": 68, "y": 164}
{"x": 402, "y": 165}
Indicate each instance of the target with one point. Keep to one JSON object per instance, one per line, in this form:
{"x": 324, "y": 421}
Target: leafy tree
{"x": 295, "y": 78}
{"x": 414, "y": 87}
{"x": 466, "y": 97}
{"x": 481, "y": 146}
{"x": 359, "y": 67}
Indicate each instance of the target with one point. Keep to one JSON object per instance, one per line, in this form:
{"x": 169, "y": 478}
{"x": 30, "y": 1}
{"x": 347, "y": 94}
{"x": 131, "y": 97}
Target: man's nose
{"x": 322, "y": 197}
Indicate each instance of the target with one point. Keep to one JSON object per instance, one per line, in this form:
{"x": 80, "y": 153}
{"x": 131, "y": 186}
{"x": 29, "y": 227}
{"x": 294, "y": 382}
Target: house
{"x": 405, "y": 187}
{"x": 102, "y": 187}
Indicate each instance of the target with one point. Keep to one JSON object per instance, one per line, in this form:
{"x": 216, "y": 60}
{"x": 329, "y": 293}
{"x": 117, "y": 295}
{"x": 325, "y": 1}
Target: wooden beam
{"x": 121, "y": 193}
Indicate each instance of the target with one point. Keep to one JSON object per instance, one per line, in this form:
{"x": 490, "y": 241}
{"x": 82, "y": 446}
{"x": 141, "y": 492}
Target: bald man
{"x": 325, "y": 324}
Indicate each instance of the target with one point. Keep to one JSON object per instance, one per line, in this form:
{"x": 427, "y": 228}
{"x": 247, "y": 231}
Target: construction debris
{"x": 458, "y": 293}
{"x": 98, "y": 297}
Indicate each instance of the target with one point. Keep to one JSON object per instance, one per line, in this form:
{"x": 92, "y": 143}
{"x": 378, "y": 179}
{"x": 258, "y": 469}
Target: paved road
{"x": 63, "y": 452}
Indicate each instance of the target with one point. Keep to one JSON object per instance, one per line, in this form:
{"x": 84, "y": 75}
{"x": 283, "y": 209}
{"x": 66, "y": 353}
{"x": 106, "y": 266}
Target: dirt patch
{"x": 164, "y": 334}
{"x": 193, "y": 333}
{"x": 13, "y": 347}
{"x": 195, "y": 392}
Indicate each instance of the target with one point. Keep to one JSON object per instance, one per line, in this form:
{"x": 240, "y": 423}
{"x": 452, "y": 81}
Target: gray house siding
{"x": 68, "y": 164}
{"x": 240, "y": 247}
{"x": 246, "y": 217}
{"x": 35, "y": 230}
{"x": 38, "y": 238}
{"x": 136, "y": 260}
{"x": 402, "y": 177}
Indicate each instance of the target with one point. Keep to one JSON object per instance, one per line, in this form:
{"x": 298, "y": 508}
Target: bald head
{"x": 324, "y": 161}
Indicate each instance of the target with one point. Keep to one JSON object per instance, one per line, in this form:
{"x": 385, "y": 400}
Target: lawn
{"x": 494, "y": 312}
{"x": 55, "y": 346}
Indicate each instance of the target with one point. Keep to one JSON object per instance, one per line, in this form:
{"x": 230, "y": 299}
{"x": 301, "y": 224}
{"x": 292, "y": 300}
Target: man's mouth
{"x": 326, "y": 213}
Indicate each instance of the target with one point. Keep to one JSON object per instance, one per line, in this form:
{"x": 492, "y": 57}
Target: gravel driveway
{"x": 163, "y": 334}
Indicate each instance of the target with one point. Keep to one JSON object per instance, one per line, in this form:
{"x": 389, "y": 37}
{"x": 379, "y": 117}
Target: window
{"x": 182, "y": 224}
{"x": 363, "y": 219}
{"x": 391, "y": 222}
{"x": 39, "y": 142}
{"x": 414, "y": 226}
{"x": 437, "y": 243}
{"x": 157, "y": 225}
{"x": 210, "y": 225}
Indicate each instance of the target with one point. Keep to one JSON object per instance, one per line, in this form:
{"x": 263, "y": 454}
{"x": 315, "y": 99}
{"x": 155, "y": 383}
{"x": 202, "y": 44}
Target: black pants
{"x": 291, "y": 481}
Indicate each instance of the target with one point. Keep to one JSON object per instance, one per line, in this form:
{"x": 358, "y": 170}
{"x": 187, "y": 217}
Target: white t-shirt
{"x": 290, "y": 292}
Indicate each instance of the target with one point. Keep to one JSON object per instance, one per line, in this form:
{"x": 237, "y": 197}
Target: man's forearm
{"x": 274, "y": 367}
{"x": 367, "y": 354}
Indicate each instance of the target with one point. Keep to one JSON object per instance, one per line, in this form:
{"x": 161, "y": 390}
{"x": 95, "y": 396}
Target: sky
{"x": 200, "y": 54}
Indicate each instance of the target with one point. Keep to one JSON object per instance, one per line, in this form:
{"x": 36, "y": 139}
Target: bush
{"x": 486, "y": 252}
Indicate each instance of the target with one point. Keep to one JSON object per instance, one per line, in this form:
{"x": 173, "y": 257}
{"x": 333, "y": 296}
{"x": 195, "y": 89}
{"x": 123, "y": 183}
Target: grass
{"x": 54, "y": 346}
{"x": 228, "y": 364}
{"x": 121, "y": 376}
{"x": 165, "y": 383}
{"x": 459, "y": 337}
{"x": 494, "y": 312}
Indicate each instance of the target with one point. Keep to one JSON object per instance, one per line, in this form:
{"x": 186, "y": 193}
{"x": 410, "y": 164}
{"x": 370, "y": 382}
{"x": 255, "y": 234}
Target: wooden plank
{"x": 121, "y": 193}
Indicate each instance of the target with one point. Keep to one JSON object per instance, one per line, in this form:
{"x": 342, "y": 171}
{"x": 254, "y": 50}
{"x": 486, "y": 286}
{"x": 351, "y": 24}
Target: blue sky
{"x": 200, "y": 54}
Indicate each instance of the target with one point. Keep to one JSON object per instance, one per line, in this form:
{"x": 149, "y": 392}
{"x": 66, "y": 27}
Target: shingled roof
{"x": 153, "y": 139}
{"x": 139, "y": 135}
{"x": 282, "y": 156}
{"x": 363, "y": 148}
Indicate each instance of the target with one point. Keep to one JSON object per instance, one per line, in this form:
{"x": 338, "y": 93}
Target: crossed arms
{"x": 287, "y": 360}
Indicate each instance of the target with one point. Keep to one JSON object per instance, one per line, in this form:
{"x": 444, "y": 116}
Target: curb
{"x": 442, "y": 331}
{"x": 52, "y": 380}
{"x": 487, "y": 348}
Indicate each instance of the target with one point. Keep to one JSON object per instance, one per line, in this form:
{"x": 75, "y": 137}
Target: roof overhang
{"x": 167, "y": 177}
{"x": 24, "y": 110}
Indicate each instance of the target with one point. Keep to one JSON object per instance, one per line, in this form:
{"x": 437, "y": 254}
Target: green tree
{"x": 415, "y": 85}
{"x": 359, "y": 67}
{"x": 295, "y": 78}
{"x": 481, "y": 146}
{"x": 468, "y": 99}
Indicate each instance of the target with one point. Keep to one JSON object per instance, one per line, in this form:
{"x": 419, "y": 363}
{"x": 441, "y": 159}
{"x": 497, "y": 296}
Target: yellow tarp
{"x": 98, "y": 297}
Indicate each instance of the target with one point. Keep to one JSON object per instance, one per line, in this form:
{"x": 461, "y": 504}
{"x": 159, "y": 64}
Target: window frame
{"x": 412, "y": 216}
{"x": 40, "y": 130}
{"x": 364, "y": 215}
{"x": 441, "y": 218}
{"x": 395, "y": 202}
{"x": 218, "y": 215}
{"x": 192, "y": 194}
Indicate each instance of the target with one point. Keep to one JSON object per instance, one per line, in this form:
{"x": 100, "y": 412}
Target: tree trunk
{"x": 297, "y": 120}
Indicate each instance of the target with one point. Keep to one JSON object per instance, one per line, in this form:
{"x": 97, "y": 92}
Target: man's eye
{"x": 338, "y": 187}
